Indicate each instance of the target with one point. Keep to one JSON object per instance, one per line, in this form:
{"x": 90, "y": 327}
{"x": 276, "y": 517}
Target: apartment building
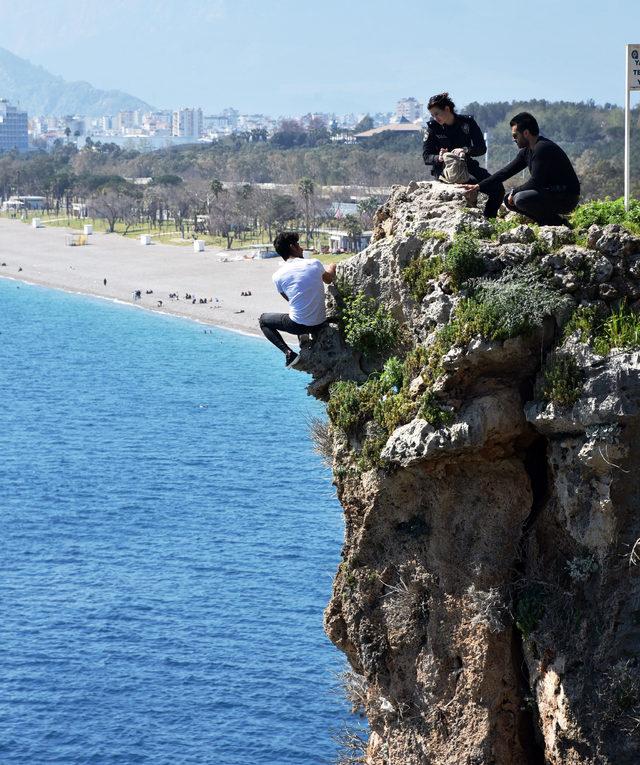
{"x": 409, "y": 108}
{"x": 187, "y": 123}
{"x": 14, "y": 130}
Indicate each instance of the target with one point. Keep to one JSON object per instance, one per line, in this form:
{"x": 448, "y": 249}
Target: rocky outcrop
{"x": 488, "y": 594}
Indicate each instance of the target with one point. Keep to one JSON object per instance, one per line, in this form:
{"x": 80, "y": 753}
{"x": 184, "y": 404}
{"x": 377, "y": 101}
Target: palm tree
{"x": 353, "y": 227}
{"x": 367, "y": 209}
{"x": 306, "y": 189}
{"x": 216, "y": 187}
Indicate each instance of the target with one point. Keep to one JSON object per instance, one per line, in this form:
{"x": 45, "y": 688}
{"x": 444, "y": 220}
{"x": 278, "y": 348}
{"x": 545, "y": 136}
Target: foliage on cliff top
{"x": 618, "y": 329}
{"x": 514, "y": 304}
{"x": 602, "y": 212}
{"x": 502, "y": 225}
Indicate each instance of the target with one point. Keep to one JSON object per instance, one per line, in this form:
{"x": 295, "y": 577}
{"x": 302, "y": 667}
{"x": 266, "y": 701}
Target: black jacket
{"x": 551, "y": 170}
{"x": 463, "y": 134}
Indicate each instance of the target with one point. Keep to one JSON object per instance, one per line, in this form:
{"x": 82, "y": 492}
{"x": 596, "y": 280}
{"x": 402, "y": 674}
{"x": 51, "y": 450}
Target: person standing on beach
{"x": 301, "y": 282}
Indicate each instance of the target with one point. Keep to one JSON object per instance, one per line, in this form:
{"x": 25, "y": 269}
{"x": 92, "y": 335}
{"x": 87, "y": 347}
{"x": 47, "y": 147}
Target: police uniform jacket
{"x": 463, "y": 134}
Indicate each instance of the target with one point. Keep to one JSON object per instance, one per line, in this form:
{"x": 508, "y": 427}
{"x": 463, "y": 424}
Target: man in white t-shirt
{"x": 300, "y": 281}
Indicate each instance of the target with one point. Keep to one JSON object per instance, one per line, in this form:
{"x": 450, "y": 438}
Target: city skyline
{"x": 288, "y": 58}
{"x": 156, "y": 129}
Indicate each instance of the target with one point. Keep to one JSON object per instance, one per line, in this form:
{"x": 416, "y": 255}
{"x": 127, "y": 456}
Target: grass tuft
{"x": 563, "y": 380}
{"x": 620, "y": 329}
{"x": 529, "y": 611}
{"x": 462, "y": 261}
{"x": 431, "y": 233}
{"x": 419, "y": 274}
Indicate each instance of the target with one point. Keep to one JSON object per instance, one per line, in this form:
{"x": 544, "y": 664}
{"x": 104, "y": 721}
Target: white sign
{"x": 633, "y": 67}
{"x": 632, "y": 82}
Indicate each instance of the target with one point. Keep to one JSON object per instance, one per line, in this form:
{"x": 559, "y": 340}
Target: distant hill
{"x": 40, "y": 92}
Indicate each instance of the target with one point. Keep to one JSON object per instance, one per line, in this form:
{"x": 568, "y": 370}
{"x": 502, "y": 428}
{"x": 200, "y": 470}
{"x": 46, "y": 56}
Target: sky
{"x": 289, "y": 57}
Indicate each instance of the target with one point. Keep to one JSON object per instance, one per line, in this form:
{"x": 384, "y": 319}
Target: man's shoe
{"x": 291, "y": 360}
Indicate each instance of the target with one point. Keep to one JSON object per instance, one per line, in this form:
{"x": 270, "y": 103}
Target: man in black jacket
{"x": 552, "y": 189}
{"x": 448, "y": 131}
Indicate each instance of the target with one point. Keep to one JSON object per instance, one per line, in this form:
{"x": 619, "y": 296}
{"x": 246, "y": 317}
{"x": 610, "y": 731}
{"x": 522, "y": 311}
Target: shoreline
{"x": 130, "y": 304}
{"x": 40, "y": 257}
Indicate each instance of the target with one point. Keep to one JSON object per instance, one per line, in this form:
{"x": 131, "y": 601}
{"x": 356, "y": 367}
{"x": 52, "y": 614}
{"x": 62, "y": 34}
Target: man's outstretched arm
{"x": 329, "y": 273}
{"x": 515, "y": 166}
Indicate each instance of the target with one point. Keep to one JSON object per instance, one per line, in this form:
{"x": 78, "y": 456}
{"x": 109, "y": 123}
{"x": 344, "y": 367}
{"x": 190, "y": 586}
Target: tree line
{"x": 183, "y": 183}
{"x": 192, "y": 206}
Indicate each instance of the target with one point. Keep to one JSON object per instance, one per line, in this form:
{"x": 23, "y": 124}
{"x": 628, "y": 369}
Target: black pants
{"x": 543, "y": 207}
{"x": 495, "y": 191}
{"x": 270, "y": 323}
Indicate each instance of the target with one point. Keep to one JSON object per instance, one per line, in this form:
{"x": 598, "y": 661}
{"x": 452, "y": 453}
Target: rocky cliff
{"x": 483, "y": 391}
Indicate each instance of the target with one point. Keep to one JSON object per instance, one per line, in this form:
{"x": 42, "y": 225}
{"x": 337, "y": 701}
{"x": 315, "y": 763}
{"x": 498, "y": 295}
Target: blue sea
{"x": 167, "y": 543}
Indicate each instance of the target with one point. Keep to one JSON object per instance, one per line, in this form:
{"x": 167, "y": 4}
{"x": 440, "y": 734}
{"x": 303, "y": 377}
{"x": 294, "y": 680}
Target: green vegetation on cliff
{"x": 516, "y": 303}
{"x": 619, "y": 328}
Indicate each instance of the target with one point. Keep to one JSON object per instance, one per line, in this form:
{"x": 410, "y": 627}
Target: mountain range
{"x": 39, "y": 92}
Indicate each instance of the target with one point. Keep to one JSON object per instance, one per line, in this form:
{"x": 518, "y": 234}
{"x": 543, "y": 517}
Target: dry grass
{"x": 354, "y": 688}
{"x": 353, "y": 746}
{"x": 634, "y": 558}
{"x": 320, "y": 433}
{"x": 620, "y": 696}
{"x": 489, "y": 608}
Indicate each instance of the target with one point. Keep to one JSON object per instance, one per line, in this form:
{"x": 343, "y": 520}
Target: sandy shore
{"x": 127, "y": 266}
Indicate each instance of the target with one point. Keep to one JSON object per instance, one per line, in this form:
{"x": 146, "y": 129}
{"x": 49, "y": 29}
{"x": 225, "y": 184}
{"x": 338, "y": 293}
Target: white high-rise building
{"x": 187, "y": 123}
{"x": 409, "y": 108}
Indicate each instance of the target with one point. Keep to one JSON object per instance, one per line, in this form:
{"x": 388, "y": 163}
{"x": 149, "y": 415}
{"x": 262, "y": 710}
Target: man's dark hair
{"x": 525, "y": 121}
{"x": 441, "y": 100}
{"x": 283, "y": 241}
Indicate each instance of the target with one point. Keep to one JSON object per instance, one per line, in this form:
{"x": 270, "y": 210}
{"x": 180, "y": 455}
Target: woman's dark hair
{"x": 440, "y": 101}
{"x": 525, "y": 121}
{"x": 283, "y": 241}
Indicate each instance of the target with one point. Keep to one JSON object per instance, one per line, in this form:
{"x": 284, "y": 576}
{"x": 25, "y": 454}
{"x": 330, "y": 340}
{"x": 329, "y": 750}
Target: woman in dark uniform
{"x": 448, "y": 131}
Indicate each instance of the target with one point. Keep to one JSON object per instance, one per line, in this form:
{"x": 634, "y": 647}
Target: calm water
{"x": 167, "y": 542}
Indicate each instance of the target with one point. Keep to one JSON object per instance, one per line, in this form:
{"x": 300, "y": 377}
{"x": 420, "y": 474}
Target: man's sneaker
{"x": 291, "y": 360}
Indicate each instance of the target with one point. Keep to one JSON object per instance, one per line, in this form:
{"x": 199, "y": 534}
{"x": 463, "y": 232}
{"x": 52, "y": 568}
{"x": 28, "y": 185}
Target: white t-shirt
{"x": 301, "y": 281}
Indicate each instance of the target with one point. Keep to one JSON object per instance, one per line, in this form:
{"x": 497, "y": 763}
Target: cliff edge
{"x": 483, "y": 392}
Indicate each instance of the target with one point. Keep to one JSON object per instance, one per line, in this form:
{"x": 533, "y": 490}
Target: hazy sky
{"x": 293, "y": 56}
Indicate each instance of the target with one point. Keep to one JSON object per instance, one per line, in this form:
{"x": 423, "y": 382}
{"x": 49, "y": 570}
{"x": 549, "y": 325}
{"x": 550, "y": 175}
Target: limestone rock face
{"x": 492, "y": 419}
{"x": 489, "y": 593}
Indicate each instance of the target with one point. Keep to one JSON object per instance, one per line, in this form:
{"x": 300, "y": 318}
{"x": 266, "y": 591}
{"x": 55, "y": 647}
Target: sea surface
{"x": 167, "y": 543}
